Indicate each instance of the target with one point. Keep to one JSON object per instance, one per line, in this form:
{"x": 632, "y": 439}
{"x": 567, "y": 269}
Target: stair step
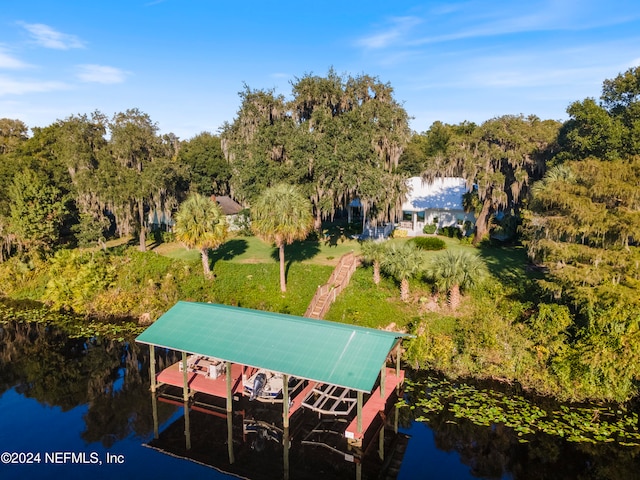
{"x": 341, "y": 276}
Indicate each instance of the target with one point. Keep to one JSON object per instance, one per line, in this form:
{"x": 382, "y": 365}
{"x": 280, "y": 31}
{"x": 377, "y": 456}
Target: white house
{"x": 231, "y": 210}
{"x": 438, "y": 202}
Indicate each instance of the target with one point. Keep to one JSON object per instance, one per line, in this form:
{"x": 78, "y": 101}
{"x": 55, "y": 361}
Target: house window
{"x": 407, "y": 216}
{"x": 420, "y": 216}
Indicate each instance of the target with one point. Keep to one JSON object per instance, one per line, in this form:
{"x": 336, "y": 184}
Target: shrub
{"x": 451, "y": 232}
{"x": 168, "y": 237}
{"x": 400, "y": 233}
{"x": 429, "y": 243}
{"x": 76, "y": 277}
{"x": 429, "y": 229}
{"x": 23, "y": 277}
{"x": 354, "y": 228}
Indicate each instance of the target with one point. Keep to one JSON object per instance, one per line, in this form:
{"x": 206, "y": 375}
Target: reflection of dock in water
{"x": 306, "y": 387}
{"x": 259, "y": 448}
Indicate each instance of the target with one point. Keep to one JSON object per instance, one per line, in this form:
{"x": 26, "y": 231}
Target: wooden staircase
{"x": 327, "y": 293}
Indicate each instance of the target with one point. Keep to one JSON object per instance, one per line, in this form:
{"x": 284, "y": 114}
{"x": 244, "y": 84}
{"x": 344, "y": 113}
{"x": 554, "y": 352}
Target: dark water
{"x": 75, "y": 408}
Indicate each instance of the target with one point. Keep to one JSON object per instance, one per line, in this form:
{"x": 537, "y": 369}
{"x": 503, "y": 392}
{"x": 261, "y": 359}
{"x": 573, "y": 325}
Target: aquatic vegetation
{"x": 485, "y": 407}
{"x": 73, "y": 325}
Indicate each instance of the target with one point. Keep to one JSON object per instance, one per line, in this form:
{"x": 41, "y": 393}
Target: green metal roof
{"x": 319, "y": 350}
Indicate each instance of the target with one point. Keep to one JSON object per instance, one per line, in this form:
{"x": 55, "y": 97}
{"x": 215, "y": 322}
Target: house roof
{"x": 443, "y": 193}
{"x": 228, "y": 205}
{"x": 328, "y": 352}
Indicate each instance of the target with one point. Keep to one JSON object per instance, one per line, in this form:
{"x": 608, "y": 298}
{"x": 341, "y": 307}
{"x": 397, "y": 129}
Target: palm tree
{"x": 282, "y": 215}
{"x": 375, "y": 253}
{"x": 201, "y": 224}
{"x": 453, "y": 272}
{"x": 403, "y": 262}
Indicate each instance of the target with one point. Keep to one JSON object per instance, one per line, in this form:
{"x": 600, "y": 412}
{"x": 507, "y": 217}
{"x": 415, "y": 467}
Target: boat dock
{"x": 330, "y": 370}
{"x": 375, "y": 405}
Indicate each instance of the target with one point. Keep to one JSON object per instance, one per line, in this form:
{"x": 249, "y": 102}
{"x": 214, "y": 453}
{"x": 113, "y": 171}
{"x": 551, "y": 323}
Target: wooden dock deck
{"x": 172, "y": 375}
{"x": 374, "y": 405}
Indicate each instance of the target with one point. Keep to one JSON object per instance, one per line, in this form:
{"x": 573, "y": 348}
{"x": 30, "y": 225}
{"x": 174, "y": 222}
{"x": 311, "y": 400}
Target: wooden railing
{"x": 328, "y": 292}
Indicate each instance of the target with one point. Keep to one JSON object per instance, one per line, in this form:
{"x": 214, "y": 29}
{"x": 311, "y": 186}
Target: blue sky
{"x": 184, "y": 61}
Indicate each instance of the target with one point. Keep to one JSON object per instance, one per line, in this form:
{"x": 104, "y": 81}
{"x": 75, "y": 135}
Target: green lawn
{"x": 368, "y": 305}
{"x": 257, "y": 285}
{"x": 246, "y": 270}
{"x": 254, "y": 250}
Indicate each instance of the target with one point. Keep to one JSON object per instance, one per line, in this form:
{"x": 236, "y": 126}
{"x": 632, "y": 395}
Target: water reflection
{"x": 496, "y": 452}
{"x": 110, "y": 377}
{"x": 105, "y": 384}
{"x": 262, "y": 453}
{"x": 249, "y": 438}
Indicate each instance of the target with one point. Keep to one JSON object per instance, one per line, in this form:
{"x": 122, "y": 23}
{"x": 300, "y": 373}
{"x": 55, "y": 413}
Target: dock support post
{"x": 185, "y": 397}
{"x": 359, "y": 409}
{"x": 383, "y": 380}
{"x": 154, "y": 386}
{"x": 187, "y": 426}
{"x": 185, "y": 378}
{"x": 229, "y": 393}
{"x": 398, "y": 359}
{"x": 230, "y": 437}
{"x": 285, "y": 454}
{"x": 229, "y": 413}
{"x": 396, "y": 419}
{"x": 285, "y": 423}
{"x": 152, "y": 367}
{"x": 285, "y": 400}
{"x": 154, "y": 408}
{"x": 381, "y": 443}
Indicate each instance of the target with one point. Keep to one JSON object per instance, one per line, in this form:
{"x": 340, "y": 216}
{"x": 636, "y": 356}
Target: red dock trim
{"x": 375, "y": 404}
{"x": 299, "y": 398}
{"x": 199, "y": 383}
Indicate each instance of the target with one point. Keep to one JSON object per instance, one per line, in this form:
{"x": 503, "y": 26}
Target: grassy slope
{"x": 246, "y": 270}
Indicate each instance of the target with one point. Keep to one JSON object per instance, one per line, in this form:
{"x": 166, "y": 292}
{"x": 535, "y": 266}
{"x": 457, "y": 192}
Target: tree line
{"x": 568, "y": 191}
{"x": 88, "y": 177}
{"x": 571, "y": 193}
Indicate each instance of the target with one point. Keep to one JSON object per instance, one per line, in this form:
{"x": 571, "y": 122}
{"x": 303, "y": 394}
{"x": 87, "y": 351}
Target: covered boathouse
{"x": 340, "y": 364}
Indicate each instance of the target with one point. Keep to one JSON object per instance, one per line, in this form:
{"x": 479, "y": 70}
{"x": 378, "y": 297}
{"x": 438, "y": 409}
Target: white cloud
{"x": 11, "y": 63}
{"x": 47, "y": 37}
{"x": 101, "y": 74}
{"x": 475, "y": 19}
{"x": 399, "y": 28}
{"x": 10, "y": 86}
{"x": 280, "y": 75}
